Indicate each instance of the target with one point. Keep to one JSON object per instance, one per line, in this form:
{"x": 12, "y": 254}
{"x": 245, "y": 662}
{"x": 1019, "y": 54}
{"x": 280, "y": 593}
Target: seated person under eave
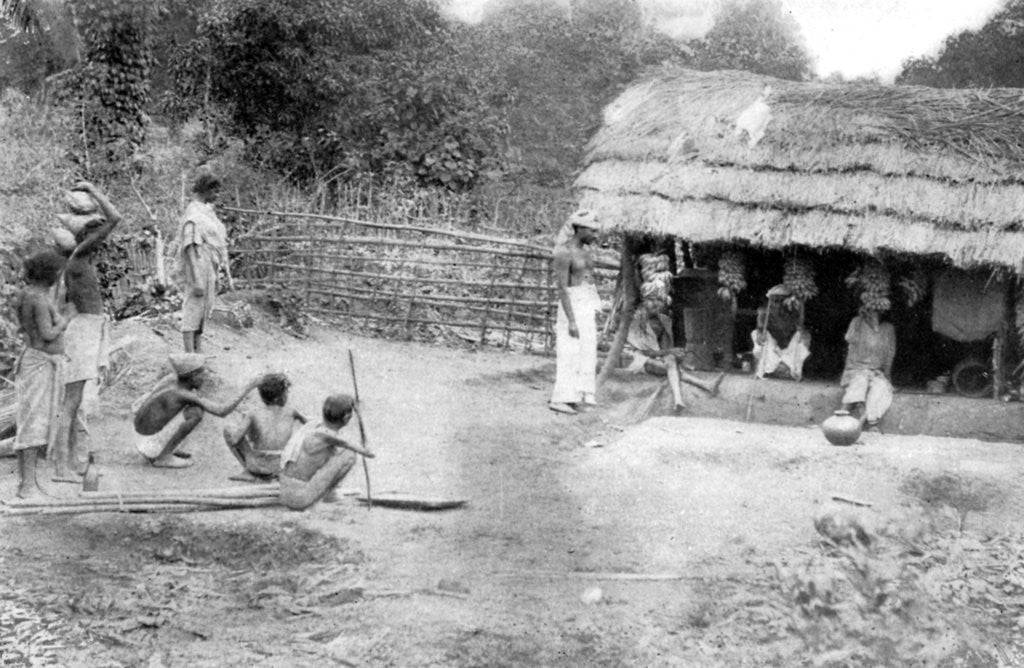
{"x": 780, "y": 322}
{"x": 867, "y": 374}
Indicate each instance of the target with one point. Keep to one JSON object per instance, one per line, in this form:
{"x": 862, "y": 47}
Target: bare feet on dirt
{"x": 170, "y": 462}
{"x": 73, "y": 478}
{"x": 32, "y": 492}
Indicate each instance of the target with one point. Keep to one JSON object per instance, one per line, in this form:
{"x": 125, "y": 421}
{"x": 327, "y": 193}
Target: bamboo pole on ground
{"x": 630, "y": 289}
{"x": 136, "y": 507}
{"x": 184, "y": 499}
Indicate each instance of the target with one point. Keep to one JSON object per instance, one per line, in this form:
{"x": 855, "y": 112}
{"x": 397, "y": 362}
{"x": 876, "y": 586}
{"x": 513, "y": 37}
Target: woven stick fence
{"x": 405, "y": 280}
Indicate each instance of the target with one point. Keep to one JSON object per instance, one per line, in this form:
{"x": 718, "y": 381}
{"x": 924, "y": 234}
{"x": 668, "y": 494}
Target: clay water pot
{"x": 841, "y": 428}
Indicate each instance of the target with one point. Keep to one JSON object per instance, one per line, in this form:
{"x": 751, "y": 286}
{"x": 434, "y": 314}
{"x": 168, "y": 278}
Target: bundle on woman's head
{"x": 83, "y": 214}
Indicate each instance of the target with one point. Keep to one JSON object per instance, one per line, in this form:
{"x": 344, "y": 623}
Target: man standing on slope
{"x": 202, "y": 252}
{"x": 576, "y": 323}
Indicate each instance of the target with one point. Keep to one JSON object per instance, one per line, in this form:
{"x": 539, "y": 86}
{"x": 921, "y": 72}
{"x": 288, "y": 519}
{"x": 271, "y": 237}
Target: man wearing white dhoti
{"x": 576, "y": 322}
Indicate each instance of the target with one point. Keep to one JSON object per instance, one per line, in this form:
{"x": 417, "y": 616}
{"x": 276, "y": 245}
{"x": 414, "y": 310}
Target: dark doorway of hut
{"x": 952, "y": 325}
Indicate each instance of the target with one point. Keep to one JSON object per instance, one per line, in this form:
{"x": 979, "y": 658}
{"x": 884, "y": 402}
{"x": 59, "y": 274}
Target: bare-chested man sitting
{"x": 576, "y": 323}
{"x": 39, "y": 372}
{"x": 257, "y": 441}
{"x": 169, "y": 413}
{"x": 316, "y": 460}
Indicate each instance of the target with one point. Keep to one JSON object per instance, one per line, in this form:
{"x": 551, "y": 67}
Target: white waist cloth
{"x": 150, "y": 447}
{"x": 576, "y": 357}
{"x": 770, "y": 356}
{"x": 86, "y": 342}
{"x": 871, "y": 387}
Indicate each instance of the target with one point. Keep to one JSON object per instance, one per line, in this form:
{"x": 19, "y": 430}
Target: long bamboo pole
{"x": 353, "y": 292}
{"x": 403, "y": 277}
{"x": 399, "y": 243}
{"x": 185, "y": 498}
{"x": 601, "y": 269}
{"x": 396, "y": 227}
{"x": 236, "y": 491}
{"x": 137, "y": 507}
{"x": 425, "y": 321}
{"x": 630, "y": 290}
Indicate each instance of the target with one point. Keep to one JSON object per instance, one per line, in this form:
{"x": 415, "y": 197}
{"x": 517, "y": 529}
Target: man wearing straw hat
{"x": 173, "y": 409}
{"x": 576, "y": 322}
{"x": 202, "y": 252}
{"x": 91, "y": 221}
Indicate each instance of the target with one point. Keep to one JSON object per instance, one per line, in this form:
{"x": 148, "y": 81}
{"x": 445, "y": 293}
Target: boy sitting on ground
{"x": 257, "y": 441}
{"x": 39, "y": 371}
{"x": 169, "y": 413}
{"x": 316, "y": 459}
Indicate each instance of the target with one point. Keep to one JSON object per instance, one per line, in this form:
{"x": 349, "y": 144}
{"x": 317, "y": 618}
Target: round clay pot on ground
{"x": 841, "y": 428}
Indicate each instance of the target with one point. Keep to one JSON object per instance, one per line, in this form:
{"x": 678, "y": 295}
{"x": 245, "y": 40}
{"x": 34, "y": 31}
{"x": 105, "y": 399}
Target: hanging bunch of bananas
{"x": 914, "y": 287}
{"x": 731, "y": 271}
{"x": 656, "y": 282}
{"x": 798, "y": 276}
{"x": 873, "y": 283}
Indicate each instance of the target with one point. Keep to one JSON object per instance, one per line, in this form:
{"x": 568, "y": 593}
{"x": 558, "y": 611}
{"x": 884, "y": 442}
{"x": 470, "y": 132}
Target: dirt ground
{"x": 586, "y": 541}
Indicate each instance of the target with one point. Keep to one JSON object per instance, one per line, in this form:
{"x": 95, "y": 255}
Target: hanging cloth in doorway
{"x": 968, "y": 307}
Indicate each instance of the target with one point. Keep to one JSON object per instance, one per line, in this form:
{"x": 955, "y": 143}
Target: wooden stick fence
{"x": 404, "y": 277}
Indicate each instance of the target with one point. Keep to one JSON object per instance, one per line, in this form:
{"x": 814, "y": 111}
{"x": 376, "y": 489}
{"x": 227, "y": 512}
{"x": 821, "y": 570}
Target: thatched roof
{"x": 865, "y": 167}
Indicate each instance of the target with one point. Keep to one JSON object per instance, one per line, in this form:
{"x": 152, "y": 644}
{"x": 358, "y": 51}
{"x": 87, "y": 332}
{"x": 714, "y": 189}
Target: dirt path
{"x": 496, "y": 583}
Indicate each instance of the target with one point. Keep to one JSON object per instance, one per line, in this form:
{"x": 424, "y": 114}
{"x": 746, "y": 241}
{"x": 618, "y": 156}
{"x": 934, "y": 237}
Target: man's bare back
{"x": 270, "y": 427}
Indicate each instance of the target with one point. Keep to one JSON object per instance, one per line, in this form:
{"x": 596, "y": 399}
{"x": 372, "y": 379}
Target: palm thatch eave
{"x": 705, "y": 221}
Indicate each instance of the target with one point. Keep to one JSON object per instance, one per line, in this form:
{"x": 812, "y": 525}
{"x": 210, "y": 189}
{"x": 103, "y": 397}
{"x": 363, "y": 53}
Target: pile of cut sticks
{"x": 163, "y": 501}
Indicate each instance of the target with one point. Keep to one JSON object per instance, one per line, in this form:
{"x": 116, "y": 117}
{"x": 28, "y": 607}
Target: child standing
{"x": 39, "y": 372}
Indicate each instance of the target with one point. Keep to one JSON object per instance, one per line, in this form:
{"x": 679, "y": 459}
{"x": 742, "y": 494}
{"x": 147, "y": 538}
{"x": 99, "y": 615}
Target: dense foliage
{"x": 325, "y": 90}
{"x": 756, "y": 36}
{"x": 553, "y": 68}
{"x": 111, "y": 84}
{"x": 328, "y": 89}
{"x": 991, "y": 56}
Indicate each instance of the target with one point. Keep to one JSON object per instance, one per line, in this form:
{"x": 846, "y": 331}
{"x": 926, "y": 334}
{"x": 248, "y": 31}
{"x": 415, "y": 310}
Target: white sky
{"x": 853, "y": 37}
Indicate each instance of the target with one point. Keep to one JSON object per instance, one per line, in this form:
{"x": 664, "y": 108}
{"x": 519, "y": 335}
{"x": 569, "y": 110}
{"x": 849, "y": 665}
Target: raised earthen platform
{"x": 742, "y": 397}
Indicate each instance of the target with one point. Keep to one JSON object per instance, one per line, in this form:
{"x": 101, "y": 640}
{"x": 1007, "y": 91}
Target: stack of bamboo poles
{"x": 163, "y": 501}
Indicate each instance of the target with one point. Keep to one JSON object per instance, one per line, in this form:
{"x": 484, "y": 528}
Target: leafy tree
{"x": 554, "y": 67}
{"x": 113, "y": 81}
{"x": 991, "y": 56}
{"x": 333, "y": 87}
{"x": 756, "y": 36}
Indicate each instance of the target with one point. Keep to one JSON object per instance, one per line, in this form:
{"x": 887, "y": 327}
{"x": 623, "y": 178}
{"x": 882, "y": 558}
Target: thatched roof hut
{"x": 864, "y": 168}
